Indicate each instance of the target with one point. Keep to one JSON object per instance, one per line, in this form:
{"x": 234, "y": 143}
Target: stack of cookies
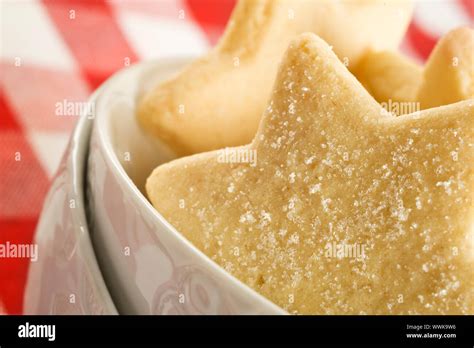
{"x": 322, "y": 167}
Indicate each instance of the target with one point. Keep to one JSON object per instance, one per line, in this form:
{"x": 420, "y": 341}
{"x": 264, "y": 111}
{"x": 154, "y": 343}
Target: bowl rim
{"x": 74, "y": 163}
{"x": 79, "y": 152}
{"x": 104, "y": 140}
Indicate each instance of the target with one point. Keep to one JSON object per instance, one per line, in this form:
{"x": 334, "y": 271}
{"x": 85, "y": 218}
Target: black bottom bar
{"x": 448, "y": 331}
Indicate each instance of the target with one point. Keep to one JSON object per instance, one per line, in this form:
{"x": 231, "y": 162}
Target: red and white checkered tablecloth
{"x": 60, "y": 50}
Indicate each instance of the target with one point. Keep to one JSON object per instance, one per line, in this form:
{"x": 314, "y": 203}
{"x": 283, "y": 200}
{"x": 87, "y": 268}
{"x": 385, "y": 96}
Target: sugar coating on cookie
{"x": 218, "y": 100}
{"x": 335, "y": 207}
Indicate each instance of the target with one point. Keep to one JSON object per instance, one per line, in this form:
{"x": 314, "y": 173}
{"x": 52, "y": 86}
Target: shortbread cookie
{"x": 389, "y": 75}
{"x": 335, "y": 207}
{"x": 447, "y": 77}
{"x": 218, "y": 100}
{"x": 449, "y": 73}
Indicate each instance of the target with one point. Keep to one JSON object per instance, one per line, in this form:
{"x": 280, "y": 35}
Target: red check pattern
{"x": 56, "y": 50}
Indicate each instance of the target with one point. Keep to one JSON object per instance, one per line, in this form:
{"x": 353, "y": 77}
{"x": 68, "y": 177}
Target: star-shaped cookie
{"x": 335, "y": 207}
{"x": 447, "y": 77}
{"x": 218, "y": 100}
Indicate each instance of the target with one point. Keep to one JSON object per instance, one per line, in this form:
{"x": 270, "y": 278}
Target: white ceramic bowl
{"x": 149, "y": 267}
{"x": 66, "y": 278}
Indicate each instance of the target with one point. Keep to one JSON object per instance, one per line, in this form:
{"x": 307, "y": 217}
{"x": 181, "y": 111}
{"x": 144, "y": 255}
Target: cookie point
{"x": 457, "y": 39}
{"x": 308, "y": 41}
